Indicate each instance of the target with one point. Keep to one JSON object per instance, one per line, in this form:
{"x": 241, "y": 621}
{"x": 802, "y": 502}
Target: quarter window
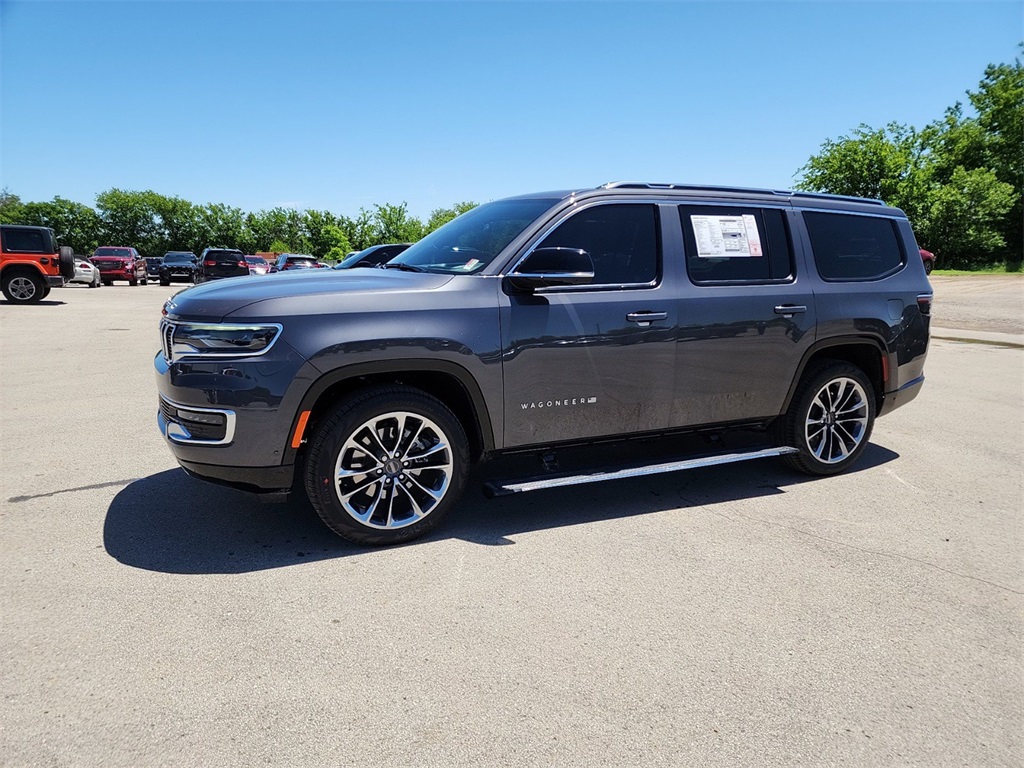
{"x": 24, "y": 241}
{"x": 622, "y": 241}
{"x": 850, "y": 247}
{"x": 728, "y": 245}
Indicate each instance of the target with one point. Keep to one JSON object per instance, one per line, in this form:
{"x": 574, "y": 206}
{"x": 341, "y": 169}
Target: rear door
{"x": 746, "y": 315}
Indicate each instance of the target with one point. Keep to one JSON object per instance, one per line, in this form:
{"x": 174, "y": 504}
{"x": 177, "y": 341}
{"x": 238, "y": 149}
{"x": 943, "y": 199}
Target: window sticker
{"x": 724, "y": 237}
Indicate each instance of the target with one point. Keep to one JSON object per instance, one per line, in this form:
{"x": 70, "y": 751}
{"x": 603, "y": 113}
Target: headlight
{"x": 201, "y": 340}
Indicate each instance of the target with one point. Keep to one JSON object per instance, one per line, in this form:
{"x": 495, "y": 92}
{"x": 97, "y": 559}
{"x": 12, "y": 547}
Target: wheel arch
{"x": 867, "y": 353}
{"x": 448, "y": 382}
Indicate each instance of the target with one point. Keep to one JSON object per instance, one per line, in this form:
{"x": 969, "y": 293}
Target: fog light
{"x": 199, "y": 417}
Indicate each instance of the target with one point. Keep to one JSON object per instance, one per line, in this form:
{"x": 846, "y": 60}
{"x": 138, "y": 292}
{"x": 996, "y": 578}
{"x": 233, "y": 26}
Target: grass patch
{"x": 997, "y": 270}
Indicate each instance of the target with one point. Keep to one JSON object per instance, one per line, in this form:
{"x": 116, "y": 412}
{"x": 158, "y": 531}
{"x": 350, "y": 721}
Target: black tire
{"x": 145, "y": 280}
{"x": 830, "y": 418}
{"x": 133, "y": 281}
{"x": 67, "y": 262}
{"x": 23, "y": 286}
{"x": 928, "y": 265}
{"x": 409, "y": 432}
{"x": 164, "y": 282}
{"x": 108, "y": 282}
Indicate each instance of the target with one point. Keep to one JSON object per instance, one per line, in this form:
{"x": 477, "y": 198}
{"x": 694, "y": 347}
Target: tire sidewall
{"x": 335, "y": 430}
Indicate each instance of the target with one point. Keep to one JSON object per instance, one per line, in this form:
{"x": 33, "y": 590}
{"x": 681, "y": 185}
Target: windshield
{"x": 469, "y": 243}
{"x": 257, "y": 260}
{"x": 179, "y": 258}
{"x": 113, "y": 252}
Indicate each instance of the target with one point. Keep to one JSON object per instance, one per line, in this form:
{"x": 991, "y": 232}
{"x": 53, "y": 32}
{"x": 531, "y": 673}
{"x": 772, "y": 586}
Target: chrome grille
{"x": 167, "y": 339}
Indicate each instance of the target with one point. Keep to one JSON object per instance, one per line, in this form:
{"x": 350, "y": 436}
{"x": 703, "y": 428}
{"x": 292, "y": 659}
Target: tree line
{"x": 155, "y": 223}
{"x": 960, "y": 179}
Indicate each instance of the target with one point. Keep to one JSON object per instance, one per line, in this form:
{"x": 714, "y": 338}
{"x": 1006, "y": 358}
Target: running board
{"x": 495, "y": 488}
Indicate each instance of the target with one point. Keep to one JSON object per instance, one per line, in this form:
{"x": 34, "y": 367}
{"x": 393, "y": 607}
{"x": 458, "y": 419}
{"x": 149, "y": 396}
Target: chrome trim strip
{"x": 165, "y": 424}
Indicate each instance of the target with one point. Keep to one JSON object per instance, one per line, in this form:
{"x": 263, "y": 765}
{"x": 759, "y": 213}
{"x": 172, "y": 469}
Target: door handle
{"x": 643, "y": 319}
{"x": 789, "y": 309}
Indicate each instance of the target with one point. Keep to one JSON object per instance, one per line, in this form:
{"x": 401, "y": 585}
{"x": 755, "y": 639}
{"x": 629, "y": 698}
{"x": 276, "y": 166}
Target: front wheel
{"x": 387, "y": 465}
{"x": 829, "y": 420}
{"x": 928, "y": 266}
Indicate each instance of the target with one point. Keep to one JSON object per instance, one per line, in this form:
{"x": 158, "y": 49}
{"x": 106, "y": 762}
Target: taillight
{"x": 209, "y": 263}
{"x": 924, "y": 303}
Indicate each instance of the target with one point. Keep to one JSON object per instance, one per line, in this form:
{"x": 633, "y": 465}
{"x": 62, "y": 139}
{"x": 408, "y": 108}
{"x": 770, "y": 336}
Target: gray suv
{"x": 545, "y": 321}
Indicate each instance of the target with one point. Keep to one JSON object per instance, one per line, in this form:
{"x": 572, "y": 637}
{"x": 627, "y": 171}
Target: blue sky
{"x": 341, "y": 105}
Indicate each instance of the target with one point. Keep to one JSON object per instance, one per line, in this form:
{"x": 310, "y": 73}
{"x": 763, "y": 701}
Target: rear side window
{"x": 24, "y": 241}
{"x": 622, "y": 241}
{"x": 848, "y": 247}
{"x": 736, "y": 245}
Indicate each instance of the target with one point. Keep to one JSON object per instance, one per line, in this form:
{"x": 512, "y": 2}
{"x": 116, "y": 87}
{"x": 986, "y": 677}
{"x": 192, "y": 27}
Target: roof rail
{"x": 743, "y": 190}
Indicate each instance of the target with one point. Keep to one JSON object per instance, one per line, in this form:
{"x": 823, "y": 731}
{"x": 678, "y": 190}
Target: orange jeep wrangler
{"x": 31, "y": 263}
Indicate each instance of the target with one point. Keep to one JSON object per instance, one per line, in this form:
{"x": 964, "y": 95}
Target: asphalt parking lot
{"x": 740, "y": 615}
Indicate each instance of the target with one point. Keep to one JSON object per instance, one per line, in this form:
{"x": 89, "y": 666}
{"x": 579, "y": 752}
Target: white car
{"x": 86, "y": 272}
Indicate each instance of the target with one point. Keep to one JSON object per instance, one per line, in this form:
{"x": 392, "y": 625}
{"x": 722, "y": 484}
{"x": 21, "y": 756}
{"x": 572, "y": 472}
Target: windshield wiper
{"x": 401, "y": 266}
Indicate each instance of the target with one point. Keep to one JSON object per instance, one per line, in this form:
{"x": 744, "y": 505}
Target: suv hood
{"x": 295, "y": 292}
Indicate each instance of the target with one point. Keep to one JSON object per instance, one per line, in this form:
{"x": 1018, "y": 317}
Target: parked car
{"x": 86, "y": 272}
{"x": 153, "y": 266}
{"x": 120, "y": 263}
{"x": 31, "y": 263}
{"x": 289, "y": 261}
{"x": 217, "y": 263}
{"x": 257, "y": 265}
{"x": 929, "y": 261}
{"x": 548, "y": 320}
{"x": 373, "y": 256}
{"x": 178, "y": 265}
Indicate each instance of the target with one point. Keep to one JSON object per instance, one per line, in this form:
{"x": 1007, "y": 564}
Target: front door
{"x": 587, "y": 361}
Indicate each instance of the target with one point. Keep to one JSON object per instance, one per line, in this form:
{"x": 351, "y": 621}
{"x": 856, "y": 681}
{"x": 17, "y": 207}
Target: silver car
{"x": 86, "y": 272}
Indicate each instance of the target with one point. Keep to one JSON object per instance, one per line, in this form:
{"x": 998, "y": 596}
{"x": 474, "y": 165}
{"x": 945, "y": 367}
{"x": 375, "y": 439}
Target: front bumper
{"x": 230, "y": 420}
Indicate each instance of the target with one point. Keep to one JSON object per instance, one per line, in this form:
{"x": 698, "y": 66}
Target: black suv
{"x": 178, "y": 265}
{"x": 544, "y": 321}
{"x": 215, "y": 263}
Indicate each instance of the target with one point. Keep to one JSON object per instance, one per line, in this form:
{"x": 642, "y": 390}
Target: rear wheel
{"x": 830, "y": 418}
{"x": 928, "y": 265}
{"x": 108, "y": 282}
{"x": 22, "y": 287}
{"x": 387, "y": 465}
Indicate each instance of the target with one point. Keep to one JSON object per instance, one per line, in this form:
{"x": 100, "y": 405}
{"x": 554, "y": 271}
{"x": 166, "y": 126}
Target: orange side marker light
{"x": 300, "y": 428}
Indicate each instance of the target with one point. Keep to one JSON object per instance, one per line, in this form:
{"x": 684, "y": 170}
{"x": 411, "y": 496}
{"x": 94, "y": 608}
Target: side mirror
{"x": 551, "y": 267}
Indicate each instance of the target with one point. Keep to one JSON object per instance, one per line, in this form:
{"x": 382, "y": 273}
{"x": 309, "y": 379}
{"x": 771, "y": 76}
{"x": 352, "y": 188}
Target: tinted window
{"x": 179, "y": 258}
{"x": 113, "y": 252}
{"x": 622, "y": 241}
{"x": 725, "y": 244}
{"x": 24, "y": 241}
{"x": 850, "y": 247}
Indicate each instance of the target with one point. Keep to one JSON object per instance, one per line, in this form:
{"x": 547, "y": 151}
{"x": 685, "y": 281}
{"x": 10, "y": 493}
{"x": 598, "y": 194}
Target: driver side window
{"x": 622, "y": 240}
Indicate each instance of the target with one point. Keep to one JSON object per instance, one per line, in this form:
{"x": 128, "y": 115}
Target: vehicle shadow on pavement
{"x": 42, "y": 303}
{"x": 173, "y": 523}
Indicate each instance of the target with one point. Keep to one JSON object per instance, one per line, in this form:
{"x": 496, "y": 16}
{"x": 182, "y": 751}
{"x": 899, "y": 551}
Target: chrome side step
{"x": 495, "y": 488}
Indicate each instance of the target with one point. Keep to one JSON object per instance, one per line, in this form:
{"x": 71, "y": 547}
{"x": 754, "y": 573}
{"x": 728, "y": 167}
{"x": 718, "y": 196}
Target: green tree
{"x": 10, "y": 207}
{"x": 76, "y": 225}
{"x": 393, "y": 224}
{"x": 441, "y": 216}
{"x": 960, "y": 179}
